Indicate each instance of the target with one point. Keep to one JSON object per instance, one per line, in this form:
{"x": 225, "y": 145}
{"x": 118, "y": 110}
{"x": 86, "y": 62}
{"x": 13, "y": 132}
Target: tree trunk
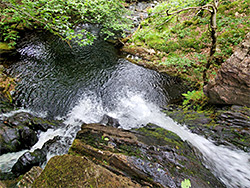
{"x": 213, "y": 27}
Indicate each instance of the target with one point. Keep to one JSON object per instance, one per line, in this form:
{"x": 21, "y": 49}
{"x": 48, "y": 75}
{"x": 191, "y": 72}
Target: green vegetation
{"x": 186, "y": 183}
{"x": 61, "y": 17}
{"x": 195, "y": 99}
{"x": 183, "y": 42}
{"x": 158, "y": 136}
{"x": 189, "y": 32}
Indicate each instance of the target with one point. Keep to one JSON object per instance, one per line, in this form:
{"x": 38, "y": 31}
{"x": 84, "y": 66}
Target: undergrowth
{"x": 182, "y": 42}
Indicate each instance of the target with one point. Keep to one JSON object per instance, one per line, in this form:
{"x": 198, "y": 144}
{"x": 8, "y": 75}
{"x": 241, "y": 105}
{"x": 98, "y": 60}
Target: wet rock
{"x": 79, "y": 171}
{"x": 9, "y": 139}
{"x": 109, "y": 121}
{"x": 150, "y": 156}
{"x": 191, "y": 118}
{"x": 34, "y": 123}
{"x": 28, "y": 137}
{"x": 30, "y": 159}
{"x": 228, "y": 126}
{"x": 232, "y": 83}
{"x": 29, "y": 177}
{"x": 20, "y": 131}
{"x": 237, "y": 116}
{"x": 27, "y": 161}
{"x": 16, "y": 139}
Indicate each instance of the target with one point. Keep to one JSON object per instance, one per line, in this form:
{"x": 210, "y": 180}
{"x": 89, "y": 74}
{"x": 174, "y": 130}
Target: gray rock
{"x": 109, "y": 121}
{"x": 30, "y": 159}
{"x": 232, "y": 83}
{"x": 20, "y": 131}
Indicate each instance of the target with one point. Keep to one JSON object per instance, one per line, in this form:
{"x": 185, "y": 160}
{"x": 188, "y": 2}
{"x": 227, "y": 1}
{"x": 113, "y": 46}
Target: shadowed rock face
{"x": 20, "y": 131}
{"x": 232, "y": 83}
{"x": 145, "y": 157}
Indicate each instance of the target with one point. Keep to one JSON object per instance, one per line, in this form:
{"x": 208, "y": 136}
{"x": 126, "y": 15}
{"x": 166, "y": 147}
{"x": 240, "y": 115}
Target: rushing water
{"x": 83, "y": 84}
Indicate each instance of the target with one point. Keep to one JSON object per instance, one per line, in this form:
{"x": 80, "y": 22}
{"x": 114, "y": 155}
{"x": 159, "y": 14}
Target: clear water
{"x": 82, "y": 84}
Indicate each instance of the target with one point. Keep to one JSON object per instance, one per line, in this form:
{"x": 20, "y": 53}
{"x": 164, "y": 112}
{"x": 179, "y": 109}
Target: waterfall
{"x": 232, "y": 167}
{"x": 83, "y": 84}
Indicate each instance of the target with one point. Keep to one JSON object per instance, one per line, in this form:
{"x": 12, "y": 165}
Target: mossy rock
{"x": 224, "y": 125}
{"x": 144, "y": 155}
{"x": 20, "y": 130}
{"x": 7, "y": 52}
{"x": 5, "y": 47}
{"x": 77, "y": 171}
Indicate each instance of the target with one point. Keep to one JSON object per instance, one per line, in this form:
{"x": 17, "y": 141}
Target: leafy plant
{"x": 194, "y": 99}
{"x": 186, "y": 183}
{"x": 188, "y": 34}
{"x": 178, "y": 61}
{"x": 60, "y": 17}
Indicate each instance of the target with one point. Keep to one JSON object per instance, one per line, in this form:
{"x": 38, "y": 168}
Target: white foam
{"x": 231, "y": 166}
{"x": 9, "y": 159}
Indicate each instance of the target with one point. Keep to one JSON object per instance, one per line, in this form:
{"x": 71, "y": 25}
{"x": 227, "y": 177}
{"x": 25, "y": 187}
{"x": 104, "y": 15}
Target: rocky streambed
{"x": 103, "y": 155}
{"x": 228, "y": 125}
{"x": 106, "y": 156}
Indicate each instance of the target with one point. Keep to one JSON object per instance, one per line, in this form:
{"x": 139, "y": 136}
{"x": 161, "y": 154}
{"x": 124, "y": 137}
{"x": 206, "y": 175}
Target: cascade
{"x": 81, "y": 85}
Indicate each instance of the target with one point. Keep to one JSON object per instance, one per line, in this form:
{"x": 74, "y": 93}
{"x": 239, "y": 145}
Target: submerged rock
{"x": 145, "y": 157}
{"x": 232, "y": 83}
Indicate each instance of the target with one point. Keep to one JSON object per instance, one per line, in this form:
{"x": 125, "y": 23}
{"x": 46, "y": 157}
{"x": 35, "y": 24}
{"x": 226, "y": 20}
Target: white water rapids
{"x": 230, "y": 166}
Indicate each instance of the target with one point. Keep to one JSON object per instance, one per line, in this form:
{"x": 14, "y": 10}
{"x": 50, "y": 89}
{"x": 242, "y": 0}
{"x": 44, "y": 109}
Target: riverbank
{"x": 150, "y": 156}
{"x": 180, "y": 45}
{"x": 180, "y": 48}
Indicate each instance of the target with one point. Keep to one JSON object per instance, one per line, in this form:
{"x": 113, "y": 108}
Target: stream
{"x": 82, "y": 84}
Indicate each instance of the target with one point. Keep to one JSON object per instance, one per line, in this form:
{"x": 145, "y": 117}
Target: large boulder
{"x": 16, "y": 138}
{"x": 232, "y": 83}
{"x": 78, "y": 171}
{"x": 145, "y": 157}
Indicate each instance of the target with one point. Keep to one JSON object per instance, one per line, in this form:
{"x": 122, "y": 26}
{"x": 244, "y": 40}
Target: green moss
{"x": 130, "y": 150}
{"x": 99, "y": 141}
{"x": 73, "y": 171}
{"x": 190, "y": 43}
{"x": 5, "y": 46}
{"x": 160, "y": 136}
{"x": 170, "y": 46}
